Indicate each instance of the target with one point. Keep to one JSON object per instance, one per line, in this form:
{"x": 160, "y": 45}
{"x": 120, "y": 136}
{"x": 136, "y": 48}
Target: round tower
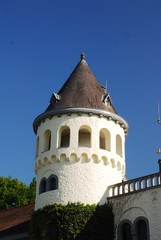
{"x": 80, "y": 147}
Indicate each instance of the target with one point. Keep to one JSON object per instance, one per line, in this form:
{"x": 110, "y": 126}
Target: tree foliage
{"x": 15, "y": 193}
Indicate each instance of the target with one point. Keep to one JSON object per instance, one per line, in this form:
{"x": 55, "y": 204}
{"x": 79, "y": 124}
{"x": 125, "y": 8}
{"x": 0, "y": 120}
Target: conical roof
{"x": 81, "y": 93}
{"x": 81, "y": 90}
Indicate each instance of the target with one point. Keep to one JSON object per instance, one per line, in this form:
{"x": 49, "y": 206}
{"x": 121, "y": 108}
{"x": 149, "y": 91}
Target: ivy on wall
{"x": 73, "y": 221}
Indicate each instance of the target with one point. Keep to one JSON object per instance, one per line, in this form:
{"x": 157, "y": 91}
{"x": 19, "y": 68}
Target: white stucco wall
{"x": 83, "y": 173}
{"x": 145, "y": 204}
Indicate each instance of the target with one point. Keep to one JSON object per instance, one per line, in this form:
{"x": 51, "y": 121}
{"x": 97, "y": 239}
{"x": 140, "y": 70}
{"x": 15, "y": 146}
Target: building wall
{"x": 84, "y": 173}
{"x": 145, "y": 204}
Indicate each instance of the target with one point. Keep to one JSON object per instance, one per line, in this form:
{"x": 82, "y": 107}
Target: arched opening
{"x": 47, "y": 140}
{"x": 141, "y": 228}
{"x": 52, "y": 183}
{"x": 125, "y": 231}
{"x": 119, "y": 145}
{"x": 37, "y": 146}
{"x": 64, "y": 136}
{"x": 43, "y": 186}
{"x": 48, "y": 184}
{"x": 84, "y": 137}
{"x": 105, "y": 140}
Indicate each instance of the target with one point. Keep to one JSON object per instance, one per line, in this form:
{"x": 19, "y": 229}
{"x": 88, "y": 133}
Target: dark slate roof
{"x": 15, "y": 216}
{"x": 81, "y": 90}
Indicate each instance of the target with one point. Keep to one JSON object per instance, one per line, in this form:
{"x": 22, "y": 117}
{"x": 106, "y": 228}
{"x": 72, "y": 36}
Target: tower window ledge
{"x": 45, "y": 151}
{"x": 84, "y": 147}
{"x": 62, "y": 147}
{"x": 103, "y": 149}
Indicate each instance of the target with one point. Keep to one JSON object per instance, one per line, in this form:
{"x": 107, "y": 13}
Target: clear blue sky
{"x": 40, "y": 44}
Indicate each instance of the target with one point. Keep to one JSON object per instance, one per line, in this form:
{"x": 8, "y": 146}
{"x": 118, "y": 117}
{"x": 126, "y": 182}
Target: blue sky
{"x": 40, "y": 45}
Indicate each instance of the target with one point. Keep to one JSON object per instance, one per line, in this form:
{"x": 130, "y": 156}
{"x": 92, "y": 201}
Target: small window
{"x": 52, "y": 183}
{"x": 47, "y": 140}
{"x": 64, "y": 136}
{"x": 43, "y": 186}
{"x": 118, "y": 145}
{"x": 105, "y": 139}
{"x": 85, "y": 136}
{"x": 48, "y": 184}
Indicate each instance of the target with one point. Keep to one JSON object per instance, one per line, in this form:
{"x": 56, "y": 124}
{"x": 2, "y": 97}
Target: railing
{"x": 134, "y": 185}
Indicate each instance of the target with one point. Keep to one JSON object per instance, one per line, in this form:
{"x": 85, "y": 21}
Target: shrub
{"x": 74, "y": 221}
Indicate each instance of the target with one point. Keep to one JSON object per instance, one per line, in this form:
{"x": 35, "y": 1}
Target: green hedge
{"x": 73, "y": 221}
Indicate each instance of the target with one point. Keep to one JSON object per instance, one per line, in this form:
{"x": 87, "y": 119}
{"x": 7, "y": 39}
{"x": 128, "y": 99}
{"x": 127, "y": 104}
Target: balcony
{"x": 135, "y": 185}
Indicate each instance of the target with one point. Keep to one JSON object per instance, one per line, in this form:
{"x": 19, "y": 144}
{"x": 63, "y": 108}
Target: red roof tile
{"x": 14, "y": 216}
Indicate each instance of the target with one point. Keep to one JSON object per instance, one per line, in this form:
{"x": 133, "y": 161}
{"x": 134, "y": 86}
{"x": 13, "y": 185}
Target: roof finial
{"x": 82, "y": 56}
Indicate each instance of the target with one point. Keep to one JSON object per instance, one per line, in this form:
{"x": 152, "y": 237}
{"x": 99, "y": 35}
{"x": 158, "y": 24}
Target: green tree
{"x": 15, "y": 193}
{"x": 32, "y": 191}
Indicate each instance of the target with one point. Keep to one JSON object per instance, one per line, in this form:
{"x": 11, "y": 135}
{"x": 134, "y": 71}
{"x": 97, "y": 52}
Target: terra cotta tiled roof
{"x": 14, "y": 216}
{"x": 81, "y": 90}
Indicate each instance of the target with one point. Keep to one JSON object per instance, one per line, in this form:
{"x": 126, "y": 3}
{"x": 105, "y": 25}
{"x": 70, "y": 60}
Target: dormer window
{"x": 107, "y": 100}
{"x": 54, "y": 98}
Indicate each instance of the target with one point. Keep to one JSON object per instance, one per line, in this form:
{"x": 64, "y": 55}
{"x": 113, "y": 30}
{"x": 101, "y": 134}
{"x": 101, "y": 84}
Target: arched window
{"x": 142, "y": 229}
{"x": 48, "y": 184}
{"x": 125, "y": 231}
{"x": 47, "y": 140}
{"x": 37, "y": 146}
{"x": 118, "y": 145}
{"x": 52, "y": 183}
{"x": 43, "y": 186}
{"x": 64, "y": 136}
{"x": 139, "y": 229}
{"x": 105, "y": 140}
{"x": 84, "y": 137}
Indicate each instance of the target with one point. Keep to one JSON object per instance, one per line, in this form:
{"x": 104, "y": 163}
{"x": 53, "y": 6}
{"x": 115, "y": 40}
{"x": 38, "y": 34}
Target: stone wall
{"x": 144, "y": 204}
